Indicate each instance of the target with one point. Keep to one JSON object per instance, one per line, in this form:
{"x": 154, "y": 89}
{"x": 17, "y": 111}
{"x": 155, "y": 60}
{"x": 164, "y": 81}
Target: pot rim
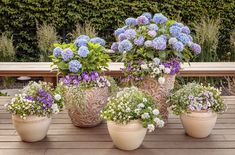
{"x": 132, "y": 125}
{"x": 30, "y": 118}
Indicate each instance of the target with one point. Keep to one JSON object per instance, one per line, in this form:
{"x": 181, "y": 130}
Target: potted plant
{"x": 32, "y": 109}
{"x": 152, "y": 48}
{"x": 85, "y": 90}
{"x": 129, "y": 114}
{"x": 197, "y": 106}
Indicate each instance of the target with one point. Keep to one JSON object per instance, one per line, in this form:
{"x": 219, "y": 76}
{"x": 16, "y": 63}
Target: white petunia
{"x": 161, "y": 123}
{"x": 162, "y": 67}
{"x": 156, "y": 70}
{"x": 57, "y": 97}
{"x": 151, "y": 127}
{"x": 167, "y": 70}
{"x": 161, "y": 80}
{"x": 144, "y": 66}
{"x": 145, "y": 115}
{"x": 155, "y": 111}
{"x": 156, "y": 120}
{"x": 55, "y": 108}
{"x": 137, "y": 111}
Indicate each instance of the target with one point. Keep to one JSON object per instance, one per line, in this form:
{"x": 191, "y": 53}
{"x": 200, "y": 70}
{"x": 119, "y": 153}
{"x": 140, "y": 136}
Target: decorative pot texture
{"x": 127, "y": 137}
{"x": 33, "y": 128}
{"x": 199, "y": 124}
{"x": 160, "y": 92}
{"x": 96, "y": 99}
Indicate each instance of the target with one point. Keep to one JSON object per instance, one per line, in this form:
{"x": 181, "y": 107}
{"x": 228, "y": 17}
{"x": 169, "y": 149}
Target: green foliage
{"x": 3, "y": 94}
{"x": 19, "y": 17}
{"x": 7, "y": 50}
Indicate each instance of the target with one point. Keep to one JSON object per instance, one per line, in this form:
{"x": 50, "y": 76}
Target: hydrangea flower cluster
{"x": 36, "y": 99}
{"x": 196, "y": 97}
{"x": 132, "y": 104}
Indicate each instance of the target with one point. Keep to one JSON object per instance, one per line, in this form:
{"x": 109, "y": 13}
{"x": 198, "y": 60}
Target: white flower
{"x": 161, "y": 124}
{"x": 162, "y": 67}
{"x": 57, "y": 97}
{"x": 151, "y": 127}
{"x": 145, "y": 115}
{"x": 55, "y": 108}
{"x": 137, "y": 111}
{"x": 167, "y": 70}
{"x": 156, "y": 70}
{"x": 156, "y": 61}
{"x": 172, "y": 41}
{"x": 141, "y": 105}
{"x": 144, "y": 66}
{"x": 155, "y": 111}
{"x": 157, "y": 120}
{"x": 145, "y": 100}
{"x": 161, "y": 80}
{"x": 128, "y": 109}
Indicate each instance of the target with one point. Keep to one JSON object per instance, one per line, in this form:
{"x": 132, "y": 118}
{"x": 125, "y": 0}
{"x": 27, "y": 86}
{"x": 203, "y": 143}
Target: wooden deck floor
{"x": 65, "y": 139}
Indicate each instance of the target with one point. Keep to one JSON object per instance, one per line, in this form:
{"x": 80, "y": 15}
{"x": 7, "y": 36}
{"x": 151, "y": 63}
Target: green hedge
{"x": 20, "y": 17}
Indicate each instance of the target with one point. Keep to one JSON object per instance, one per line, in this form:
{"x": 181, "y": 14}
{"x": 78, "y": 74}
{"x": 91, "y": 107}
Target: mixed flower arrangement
{"x": 196, "y": 97}
{"x": 153, "y": 41}
{"x": 132, "y": 104}
{"x": 38, "y": 99}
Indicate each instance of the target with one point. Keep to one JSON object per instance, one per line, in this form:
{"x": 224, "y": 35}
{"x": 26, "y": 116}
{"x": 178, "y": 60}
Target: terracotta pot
{"x": 160, "y": 92}
{"x": 96, "y": 99}
{"x": 33, "y": 128}
{"x": 199, "y": 124}
{"x": 127, "y": 137}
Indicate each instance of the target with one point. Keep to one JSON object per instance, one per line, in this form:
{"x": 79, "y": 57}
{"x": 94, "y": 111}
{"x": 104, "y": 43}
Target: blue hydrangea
{"x": 125, "y": 45}
{"x": 57, "y": 52}
{"x": 163, "y": 37}
{"x": 190, "y": 38}
{"x": 159, "y": 43}
{"x": 153, "y": 27}
{"x": 196, "y": 48}
{"x": 114, "y": 46}
{"x": 147, "y": 15}
{"x": 159, "y": 18}
{"x": 172, "y": 40}
{"x": 74, "y": 66}
{"x": 131, "y": 21}
{"x": 98, "y": 40}
{"x": 148, "y": 43}
{"x": 130, "y": 33}
{"x": 122, "y": 37}
{"x": 119, "y": 31}
{"x": 142, "y": 20}
{"x": 83, "y": 51}
{"x": 67, "y": 54}
{"x": 186, "y": 30}
{"x": 178, "y": 46}
{"x": 175, "y": 31}
{"x": 139, "y": 41}
{"x": 178, "y": 24}
{"x": 87, "y": 38}
{"x": 80, "y": 42}
{"x": 152, "y": 33}
{"x": 184, "y": 38}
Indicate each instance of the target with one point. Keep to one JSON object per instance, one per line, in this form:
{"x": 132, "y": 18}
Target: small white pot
{"x": 127, "y": 137}
{"x": 199, "y": 124}
{"x": 33, "y": 128}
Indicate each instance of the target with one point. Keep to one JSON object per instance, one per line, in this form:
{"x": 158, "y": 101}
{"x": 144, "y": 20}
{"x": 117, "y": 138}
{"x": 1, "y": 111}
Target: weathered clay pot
{"x": 127, "y": 137}
{"x": 96, "y": 99}
{"x": 33, "y": 128}
{"x": 199, "y": 124}
{"x": 160, "y": 92}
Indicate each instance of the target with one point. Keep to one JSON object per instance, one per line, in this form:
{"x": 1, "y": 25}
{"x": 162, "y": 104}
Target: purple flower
{"x": 130, "y": 33}
{"x": 119, "y": 31}
{"x": 122, "y": 37}
{"x": 184, "y": 38}
{"x": 174, "y": 64}
{"x": 147, "y": 15}
{"x": 125, "y": 45}
{"x": 186, "y": 30}
{"x": 86, "y": 77}
{"x": 178, "y": 24}
{"x": 94, "y": 75}
{"x": 152, "y": 33}
{"x": 163, "y": 37}
{"x": 80, "y": 42}
{"x": 57, "y": 52}
{"x": 196, "y": 48}
{"x": 45, "y": 99}
{"x": 153, "y": 27}
{"x": 74, "y": 66}
{"x": 148, "y": 43}
{"x": 131, "y": 21}
{"x": 142, "y": 20}
{"x": 159, "y": 18}
{"x": 114, "y": 46}
{"x": 67, "y": 54}
{"x": 159, "y": 43}
{"x": 175, "y": 31}
{"x": 178, "y": 46}
{"x": 85, "y": 37}
{"x": 139, "y": 41}
{"x": 98, "y": 40}
{"x": 83, "y": 51}
{"x": 31, "y": 98}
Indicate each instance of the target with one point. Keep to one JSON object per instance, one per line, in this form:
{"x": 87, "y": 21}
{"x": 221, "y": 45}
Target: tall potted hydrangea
{"x": 152, "y": 48}
{"x": 32, "y": 109}
{"x": 85, "y": 90}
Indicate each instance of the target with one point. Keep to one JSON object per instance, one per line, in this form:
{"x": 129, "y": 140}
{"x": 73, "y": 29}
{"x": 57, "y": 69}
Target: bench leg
{"x": 50, "y": 79}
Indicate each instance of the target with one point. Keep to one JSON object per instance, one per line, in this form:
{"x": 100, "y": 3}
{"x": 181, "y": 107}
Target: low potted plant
{"x": 32, "y": 110}
{"x": 85, "y": 90}
{"x": 129, "y": 114}
{"x": 152, "y": 48}
{"x": 197, "y": 106}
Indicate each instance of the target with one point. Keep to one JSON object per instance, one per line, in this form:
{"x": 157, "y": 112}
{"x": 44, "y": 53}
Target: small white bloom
{"x": 144, "y": 66}
{"x": 137, "y": 111}
{"x": 145, "y": 100}
{"x": 161, "y": 123}
{"x": 156, "y": 70}
{"x": 55, "y": 108}
{"x": 162, "y": 67}
{"x": 155, "y": 111}
{"x": 151, "y": 127}
{"x": 157, "y": 120}
{"x": 57, "y": 97}
{"x": 141, "y": 105}
{"x": 145, "y": 115}
{"x": 161, "y": 80}
{"x": 128, "y": 109}
{"x": 167, "y": 70}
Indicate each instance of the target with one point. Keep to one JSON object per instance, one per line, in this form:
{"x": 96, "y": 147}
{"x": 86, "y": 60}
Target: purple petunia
{"x": 80, "y": 42}
{"x": 98, "y": 40}
{"x": 131, "y": 21}
{"x": 142, "y": 20}
{"x": 119, "y": 31}
{"x": 159, "y": 43}
{"x": 152, "y": 33}
{"x": 186, "y": 30}
{"x": 196, "y": 48}
{"x": 114, "y": 46}
{"x": 178, "y": 46}
{"x": 125, "y": 45}
{"x": 45, "y": 99}
{"x": 174, "y": 64}
{"x": 175, "y": 31}
{"x": 147, "y": 15}
{"x": 139, "y": 41}
{"x": 74, "y": 66}
{"x": 159, "y": 18}
{"x": 122, "y": 37}
{"x": 57, "y": 52}
{"x": 83, "y": 51}
{"x": 67, "y": 54}
{"x": 153, "y": 27}
{"x": 130, "y": 34}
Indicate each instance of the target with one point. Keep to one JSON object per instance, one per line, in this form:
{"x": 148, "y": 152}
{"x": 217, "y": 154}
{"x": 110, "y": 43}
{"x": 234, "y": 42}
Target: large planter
{"x": 33, "y": 128}
{"x": 96, "y": 98}
{"x": 160, "y": 92}
{"x": 199, "y": 124}
{"x": 127, "y": 137}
